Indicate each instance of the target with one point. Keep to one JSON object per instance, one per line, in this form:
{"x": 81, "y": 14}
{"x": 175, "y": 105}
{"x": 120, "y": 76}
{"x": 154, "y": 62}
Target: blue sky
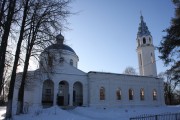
{"x": 103, "y": 32}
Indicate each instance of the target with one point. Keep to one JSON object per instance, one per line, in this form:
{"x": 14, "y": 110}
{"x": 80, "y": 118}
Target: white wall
{"x": 71, "y": 75}
{"x": 57, "y": 54}
{"x": 147, "y": 64}
{"x": 113, "y": 81}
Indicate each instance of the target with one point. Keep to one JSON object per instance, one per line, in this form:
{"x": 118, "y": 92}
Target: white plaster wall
{"x": 113, "y": 81}
{"x": 67, "y": 55}
{"x": 71, "y": 79}
{"x": 70, "y": 74}
{"x": 148, "y": 68}
{"x": 30, "y": 93}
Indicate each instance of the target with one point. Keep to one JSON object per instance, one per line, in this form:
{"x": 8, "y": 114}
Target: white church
{"x": 58, "y": 81}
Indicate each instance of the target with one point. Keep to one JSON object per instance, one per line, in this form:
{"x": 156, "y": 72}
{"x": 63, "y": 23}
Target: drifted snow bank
{"x": 92, "y": 113}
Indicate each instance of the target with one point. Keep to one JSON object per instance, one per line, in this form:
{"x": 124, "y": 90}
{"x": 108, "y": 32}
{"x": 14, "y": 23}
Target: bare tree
{"x": 5, "y": 35}
{"x": 6, "y": 76}
{"x": 177, "y": 96}
{"x": 38, "y": 21}
{"x": 46, "y": 17}
{"x": 3, "y": 11}
{"x": 16, "y": 60}
{"x": 170, "y": 85}
{"x": 130, "y": 71}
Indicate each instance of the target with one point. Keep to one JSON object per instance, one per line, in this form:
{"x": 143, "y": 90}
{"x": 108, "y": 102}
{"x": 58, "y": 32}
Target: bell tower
{"x": 145, "y": 51}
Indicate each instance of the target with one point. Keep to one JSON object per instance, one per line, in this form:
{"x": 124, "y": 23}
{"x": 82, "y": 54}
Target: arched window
{"x": 140, "y": 59}
{"x": 152, "y": 59}
{"x": 144, "y": 40}
{"x": 149, "y": 40}
{"x": 102, "y": 93}
{"x": 71, "y": 62}
{"x": 47, "y": 92}
{"x": 142, "y": 94}
{"x": 131, "y": 94}
{"x": 50, "y": 61}
{"x": 63, "y": 91}
{"x": 61, "y": 60}
{"x": 138, "y": 42}
{"x": 154, "y": 95}
{"x": 118, "y": 94}
{"x": 78, "y": 94}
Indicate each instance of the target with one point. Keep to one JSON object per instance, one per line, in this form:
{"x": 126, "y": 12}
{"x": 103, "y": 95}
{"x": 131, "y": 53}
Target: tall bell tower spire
{"x": 145, "y": 50}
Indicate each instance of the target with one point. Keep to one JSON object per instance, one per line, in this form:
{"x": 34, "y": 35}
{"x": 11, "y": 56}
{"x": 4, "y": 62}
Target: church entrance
{"x": 47, "y": 93}
{"x": 63, "y": 94}
{"x": 77, "y": 94}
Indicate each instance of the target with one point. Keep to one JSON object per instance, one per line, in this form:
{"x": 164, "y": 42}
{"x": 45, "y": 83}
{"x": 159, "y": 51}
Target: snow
{"x": 90, "y": 113}
{"x": 2, "y": 112}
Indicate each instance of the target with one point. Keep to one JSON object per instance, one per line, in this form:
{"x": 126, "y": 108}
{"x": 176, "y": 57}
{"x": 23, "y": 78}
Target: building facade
{"x": 58, "y": 81}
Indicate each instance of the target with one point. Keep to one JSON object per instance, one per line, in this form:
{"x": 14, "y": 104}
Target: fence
{"x": 167, "y": 116}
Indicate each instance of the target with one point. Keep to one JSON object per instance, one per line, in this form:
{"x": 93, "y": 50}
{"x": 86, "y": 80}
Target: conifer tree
{"x": 170, "y": 44}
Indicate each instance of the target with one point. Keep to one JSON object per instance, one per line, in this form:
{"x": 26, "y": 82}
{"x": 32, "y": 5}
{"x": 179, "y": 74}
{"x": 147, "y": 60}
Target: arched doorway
{"x": 63, "y": 94}
{"x": 48, "y": 93}
{"x": 77, "y": 94}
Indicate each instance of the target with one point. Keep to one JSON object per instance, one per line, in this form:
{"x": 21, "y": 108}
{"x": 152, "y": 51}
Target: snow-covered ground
{"x": 2, "y": 112}
{"x": 90, "y": 113}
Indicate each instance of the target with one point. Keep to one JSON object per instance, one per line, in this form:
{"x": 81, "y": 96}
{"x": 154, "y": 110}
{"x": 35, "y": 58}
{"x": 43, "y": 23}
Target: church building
{"x": 58, "y": 81}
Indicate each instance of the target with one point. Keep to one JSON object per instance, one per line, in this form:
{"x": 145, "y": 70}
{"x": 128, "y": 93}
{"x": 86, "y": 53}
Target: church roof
{"x": 97, "y": 72}
{"x": 143, "y": 29}
{"x": 59, "y": 46}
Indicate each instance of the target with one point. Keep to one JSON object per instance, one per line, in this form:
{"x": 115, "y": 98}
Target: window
{"x": 144, "y": 40}
{"x": 102, "y": 93}
{"x": 149, "y": 40}
{"x": 118, "y": 94}
{"x": 50, "y": 61}
{"x": 61, "y": 60}
{"x": 142, "y": 94}
{"x": 130, "y": 94}
{"x": 152, "y": 60}
{"x": 71, "y": 62}
{"x": 140, "y": 59}
{"x": 138, "y": 42}
{"x": 154, "y": 95}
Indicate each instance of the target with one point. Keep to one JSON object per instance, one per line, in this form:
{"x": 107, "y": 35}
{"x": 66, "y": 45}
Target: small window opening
{"x": 138, "y": 42}
{"x": 71, "y": 62}
{"x": 118, "y": 94}
{"x": 154, "y": 95}
{"x": 142, "y": 94}
{"x": 130, "y": 94}
{"x": 61, "y": 60}
{"x": 50, "y": 61}
{"x": 144, "y": 40}
{"x": 140, "y": 59}
{"x": 152, "y": 58}
{"x": 102, "y": 93}
{"x": 149, "y": 40}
